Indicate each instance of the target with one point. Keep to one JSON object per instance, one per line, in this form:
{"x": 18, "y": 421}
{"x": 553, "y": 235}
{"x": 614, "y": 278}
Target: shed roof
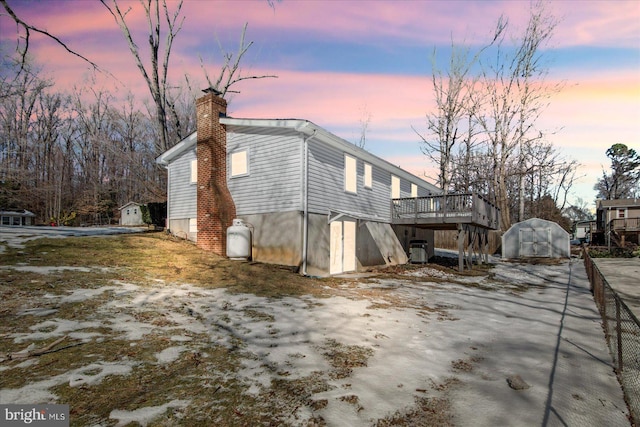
{"x": 129, "y": 204}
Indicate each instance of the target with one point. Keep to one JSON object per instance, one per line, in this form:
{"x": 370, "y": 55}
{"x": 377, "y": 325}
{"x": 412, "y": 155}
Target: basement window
{"x": 350, "y": 174}
{"x": 239, "y": 164}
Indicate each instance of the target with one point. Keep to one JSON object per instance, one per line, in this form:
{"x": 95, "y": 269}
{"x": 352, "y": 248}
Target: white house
{"x": 313, "y": 200}
{"x": 18, "y": 217}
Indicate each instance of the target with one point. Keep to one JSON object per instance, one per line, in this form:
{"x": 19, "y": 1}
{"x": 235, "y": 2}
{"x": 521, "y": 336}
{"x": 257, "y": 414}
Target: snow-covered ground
{"x": 537, "y": 322}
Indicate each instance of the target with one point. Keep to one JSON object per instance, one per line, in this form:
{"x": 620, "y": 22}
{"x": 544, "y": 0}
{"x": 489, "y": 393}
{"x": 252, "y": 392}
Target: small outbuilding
{"x": 17, "y": 218}
{"x": 535, "y": 238}
{"x": 131, "y": 214}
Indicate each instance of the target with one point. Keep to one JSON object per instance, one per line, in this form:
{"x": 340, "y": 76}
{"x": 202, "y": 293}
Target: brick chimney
{"x": 216, "y": 209}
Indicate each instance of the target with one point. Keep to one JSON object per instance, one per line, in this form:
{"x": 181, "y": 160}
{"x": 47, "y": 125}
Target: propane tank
{"x": 238, "y": 241}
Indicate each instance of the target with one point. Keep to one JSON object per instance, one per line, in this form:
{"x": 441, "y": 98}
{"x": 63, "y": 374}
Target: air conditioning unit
{"x": 418, "y": 253}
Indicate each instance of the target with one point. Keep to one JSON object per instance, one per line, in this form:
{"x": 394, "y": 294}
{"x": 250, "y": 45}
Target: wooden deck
{"x": 625, "y": 224}
{"x": 446, "y": 212}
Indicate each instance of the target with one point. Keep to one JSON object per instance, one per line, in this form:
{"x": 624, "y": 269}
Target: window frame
{"x": 246, "y": 170}
{"x": 193, "y": 178}
{"x": 393, "y": 187}
{"x": 368, "y": 176}
{"x": 350, "y": 174}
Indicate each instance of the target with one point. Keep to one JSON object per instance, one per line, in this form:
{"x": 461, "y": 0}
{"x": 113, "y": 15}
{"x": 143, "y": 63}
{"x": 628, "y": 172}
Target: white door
{"x": 335, "y": 248}
{"x": 535, "y": 242}
{"x": 342, "y": 247}
{"x": 349, "y": 246}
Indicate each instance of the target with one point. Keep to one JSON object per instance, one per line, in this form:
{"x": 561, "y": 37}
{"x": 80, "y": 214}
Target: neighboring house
{"x": 19, "y": 217}
{"x": 131, "y": 214}
{"x": 582, "y": 231}
{"x": 618, "y": 219}
{"x": 312, "y": 199}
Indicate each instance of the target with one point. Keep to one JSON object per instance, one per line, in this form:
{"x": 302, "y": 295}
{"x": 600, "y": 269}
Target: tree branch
{"x": 28, "y": 28}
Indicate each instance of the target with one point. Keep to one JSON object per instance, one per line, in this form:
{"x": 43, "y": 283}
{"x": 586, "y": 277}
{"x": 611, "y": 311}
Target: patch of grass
{"x": 203, "y": 377}
{"x": 144, "y": 258}
{"x": 343, "y": 358}
{"x": 427, "y": 411}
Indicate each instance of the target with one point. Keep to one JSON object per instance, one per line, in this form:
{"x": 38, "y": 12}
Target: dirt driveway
{"x": 519, "y": 346}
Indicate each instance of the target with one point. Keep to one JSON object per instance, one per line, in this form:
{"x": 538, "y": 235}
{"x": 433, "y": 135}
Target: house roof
{"x": 22, "y": 212}
{"x": 617, "y": 203}
{"x": 176, "y": 151}
{"x": 306, "y": 128}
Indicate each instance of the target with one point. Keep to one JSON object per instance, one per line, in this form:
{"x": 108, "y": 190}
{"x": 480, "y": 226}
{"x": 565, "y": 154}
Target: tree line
{"x": 76, "y": 157}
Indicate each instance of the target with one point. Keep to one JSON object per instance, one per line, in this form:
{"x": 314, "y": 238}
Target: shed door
{"x": 535, "y": 242}
{"x": 342, "y": 247}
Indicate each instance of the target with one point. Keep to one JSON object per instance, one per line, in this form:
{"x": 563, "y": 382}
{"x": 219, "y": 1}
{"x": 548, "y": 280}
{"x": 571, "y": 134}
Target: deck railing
{"x": 459, "y": 207}
{"x": 625, "y": 224}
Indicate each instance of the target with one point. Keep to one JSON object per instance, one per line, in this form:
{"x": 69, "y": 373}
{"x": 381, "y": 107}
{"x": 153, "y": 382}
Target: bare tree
{"x": 155, "y": 72}
{"x": 515, "y": 96}
{"x": 365, "y": 120}
{"x": 452, "y": 92}
{"x": 230, "y": 73}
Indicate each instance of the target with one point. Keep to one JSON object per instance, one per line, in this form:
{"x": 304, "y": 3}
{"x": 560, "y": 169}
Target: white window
{"x": 193, "y": 225}
{"x": 414, "y": 190}
{"x": 350, "y": 174}
{"x": 239, "y": 163}
{"x": 395, "y": 187}
{"x": 368, "y": 176}
{"x": 194, "y": 171}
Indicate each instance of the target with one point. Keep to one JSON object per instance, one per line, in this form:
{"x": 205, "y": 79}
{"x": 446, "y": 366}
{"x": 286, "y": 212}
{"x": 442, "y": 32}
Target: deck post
{"x": 461, "y": 234}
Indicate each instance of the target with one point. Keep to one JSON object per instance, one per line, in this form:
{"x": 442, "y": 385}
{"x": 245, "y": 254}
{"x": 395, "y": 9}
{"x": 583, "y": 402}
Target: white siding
{"x": 326, "y": 187}
{"x": 274, "y": 179}
{"x": 183, "y": 193}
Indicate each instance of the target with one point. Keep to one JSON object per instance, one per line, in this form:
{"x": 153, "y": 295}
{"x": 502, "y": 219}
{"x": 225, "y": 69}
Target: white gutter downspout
{"x": 305, "y": 201}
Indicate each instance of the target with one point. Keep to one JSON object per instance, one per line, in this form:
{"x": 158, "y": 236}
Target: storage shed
{"x": 131, "y": 214}
{"x": 535, "y": 238}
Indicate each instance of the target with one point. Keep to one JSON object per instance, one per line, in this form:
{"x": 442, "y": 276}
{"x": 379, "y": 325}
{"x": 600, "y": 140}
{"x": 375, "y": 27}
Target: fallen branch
{"x": 25, "y": 354}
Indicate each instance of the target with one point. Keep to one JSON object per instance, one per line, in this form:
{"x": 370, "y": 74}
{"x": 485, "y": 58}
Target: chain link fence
{"x": 622, "y": 330}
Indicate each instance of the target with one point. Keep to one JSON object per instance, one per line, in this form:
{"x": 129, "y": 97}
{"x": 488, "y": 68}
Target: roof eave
{"x": 177, "y": 150}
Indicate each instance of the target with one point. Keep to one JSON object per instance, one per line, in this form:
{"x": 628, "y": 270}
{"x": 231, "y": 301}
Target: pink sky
{"x": 335, "y": 59}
